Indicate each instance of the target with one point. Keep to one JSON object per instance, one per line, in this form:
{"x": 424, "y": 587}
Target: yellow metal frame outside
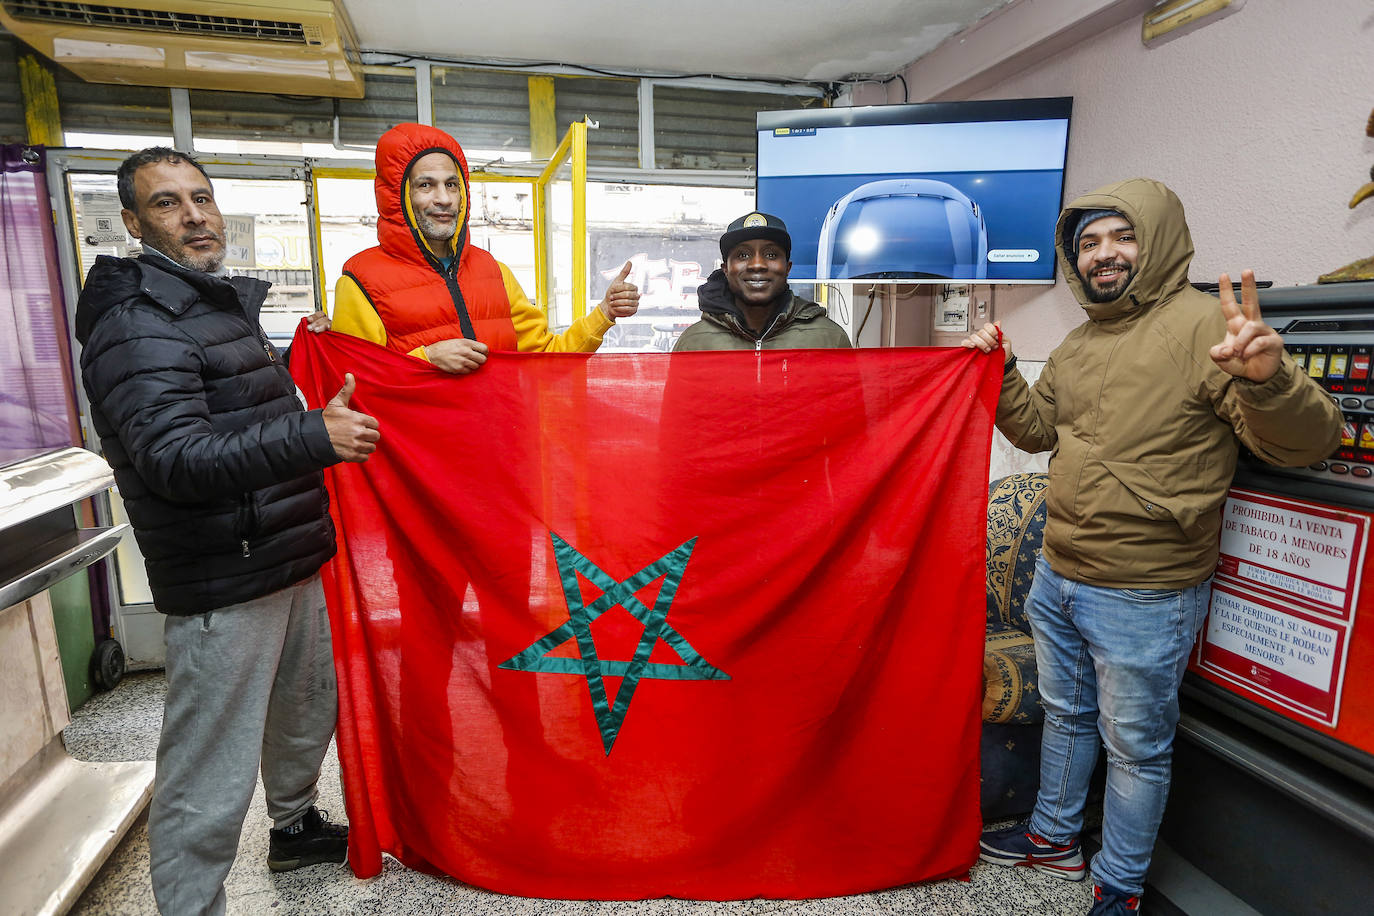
{"x": 543, "y": 116}
{"x": 572, "y": 147}
{"x": 38, "y": 88}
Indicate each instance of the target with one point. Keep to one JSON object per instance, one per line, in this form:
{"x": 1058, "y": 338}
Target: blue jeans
{"x": 1110, "y": 663}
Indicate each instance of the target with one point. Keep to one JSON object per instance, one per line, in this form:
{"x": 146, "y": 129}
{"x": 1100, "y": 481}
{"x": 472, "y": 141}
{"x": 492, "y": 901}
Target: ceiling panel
{"x": 780, "y": 39}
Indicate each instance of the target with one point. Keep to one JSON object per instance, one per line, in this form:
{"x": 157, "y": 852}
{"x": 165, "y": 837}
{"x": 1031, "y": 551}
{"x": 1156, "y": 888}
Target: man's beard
{"x": 434, "y": 230}
{"x": 174, "y": 247}
{"x": 1114, "y": 291}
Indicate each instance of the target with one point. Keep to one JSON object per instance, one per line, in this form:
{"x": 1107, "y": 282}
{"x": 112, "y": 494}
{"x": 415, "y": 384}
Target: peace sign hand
{"x": 1251, "y": 349}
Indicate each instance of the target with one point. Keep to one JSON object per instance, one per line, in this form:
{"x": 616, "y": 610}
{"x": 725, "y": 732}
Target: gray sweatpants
{"x": 247, "y": 684}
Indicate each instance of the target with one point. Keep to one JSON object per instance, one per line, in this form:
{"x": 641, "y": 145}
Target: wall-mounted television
{"x": 936, "y": 192}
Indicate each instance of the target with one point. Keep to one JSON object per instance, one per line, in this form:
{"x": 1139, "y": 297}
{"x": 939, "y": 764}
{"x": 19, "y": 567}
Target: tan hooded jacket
{"x": 1142, "y": 424}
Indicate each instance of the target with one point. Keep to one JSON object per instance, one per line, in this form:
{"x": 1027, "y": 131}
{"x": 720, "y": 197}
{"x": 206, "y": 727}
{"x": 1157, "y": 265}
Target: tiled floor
{"x": 123, "y": 725}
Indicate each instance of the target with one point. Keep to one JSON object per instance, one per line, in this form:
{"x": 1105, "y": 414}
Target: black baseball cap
{"x": 755, "y": 226}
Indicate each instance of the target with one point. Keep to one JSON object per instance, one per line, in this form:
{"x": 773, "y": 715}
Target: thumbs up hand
{"x": 622, "y": 298}
{"x": 354, "y": 435}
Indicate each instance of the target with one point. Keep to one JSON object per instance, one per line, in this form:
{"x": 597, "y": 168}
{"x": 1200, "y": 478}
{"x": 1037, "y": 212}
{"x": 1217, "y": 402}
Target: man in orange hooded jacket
{"x": 425, "y": 291}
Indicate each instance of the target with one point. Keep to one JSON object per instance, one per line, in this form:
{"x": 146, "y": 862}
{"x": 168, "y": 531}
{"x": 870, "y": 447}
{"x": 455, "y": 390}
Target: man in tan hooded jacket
{"x": 1142, "y": 407}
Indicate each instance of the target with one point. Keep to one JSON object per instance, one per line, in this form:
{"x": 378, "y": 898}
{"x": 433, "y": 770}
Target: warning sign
{"x": 1284, "y": 601}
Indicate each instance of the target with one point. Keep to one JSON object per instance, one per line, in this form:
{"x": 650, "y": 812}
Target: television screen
{"x": 940, "y": 191}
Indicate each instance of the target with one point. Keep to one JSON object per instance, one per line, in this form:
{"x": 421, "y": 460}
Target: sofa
{"x": 1012, "y": 715}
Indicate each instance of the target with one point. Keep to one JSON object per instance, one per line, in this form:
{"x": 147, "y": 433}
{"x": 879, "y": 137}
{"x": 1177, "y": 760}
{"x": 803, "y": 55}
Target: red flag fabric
{"x": 707, "y": 625}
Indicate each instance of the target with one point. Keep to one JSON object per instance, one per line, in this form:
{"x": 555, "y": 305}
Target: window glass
{"x": 265, "y": 233}
{"x": 110, "y": 108}
{"x": 613, "y": 105}
{"x": 711, "y": 129}
{"x": 12, "y": 126}
{"x": 487, "y": 112}
{"x": 671, "y": 236}
{"x": 248, "y": 118}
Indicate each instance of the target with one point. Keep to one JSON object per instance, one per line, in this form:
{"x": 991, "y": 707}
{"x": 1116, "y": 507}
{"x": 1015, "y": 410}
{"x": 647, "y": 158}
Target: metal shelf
{"x": 70, "y": 553}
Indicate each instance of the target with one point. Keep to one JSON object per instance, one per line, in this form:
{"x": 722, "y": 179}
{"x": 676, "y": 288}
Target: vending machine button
{"x": 1360, "y": 470}
{"x": 1369, "y": 403}
{"x": 1319, "y": 466}
{"x": 1338, "y": 468}
{"x": 1351, "y": 402}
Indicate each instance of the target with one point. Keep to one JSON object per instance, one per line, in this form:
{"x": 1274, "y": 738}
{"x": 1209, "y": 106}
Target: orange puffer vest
{"x": 418, "y": 300}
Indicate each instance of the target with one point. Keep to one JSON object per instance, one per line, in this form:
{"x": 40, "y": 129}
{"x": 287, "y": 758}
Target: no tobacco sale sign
{"x": 1284, "y": 601}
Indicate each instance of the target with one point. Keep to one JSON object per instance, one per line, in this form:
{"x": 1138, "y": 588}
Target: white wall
{"x": 1256, "y": 121}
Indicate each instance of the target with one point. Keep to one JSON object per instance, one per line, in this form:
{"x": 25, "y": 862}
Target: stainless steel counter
{"x": 59, "y": 818}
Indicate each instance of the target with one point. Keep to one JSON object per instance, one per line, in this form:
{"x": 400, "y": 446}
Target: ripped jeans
{"x": 1110, "y": 662}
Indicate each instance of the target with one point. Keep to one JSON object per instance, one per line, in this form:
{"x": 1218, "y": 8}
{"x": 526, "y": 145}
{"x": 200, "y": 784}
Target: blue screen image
{"x": 965, "y": 200}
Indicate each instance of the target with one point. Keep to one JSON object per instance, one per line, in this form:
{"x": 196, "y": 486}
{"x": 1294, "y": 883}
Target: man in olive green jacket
{"x": 1142, "y": 406}
{"x": 747, "y": 304}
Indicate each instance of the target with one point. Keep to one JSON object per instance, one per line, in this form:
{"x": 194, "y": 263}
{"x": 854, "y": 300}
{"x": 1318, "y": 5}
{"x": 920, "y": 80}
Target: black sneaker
{"x": 1017, "y": 845}
{"x": 309, "y": 841}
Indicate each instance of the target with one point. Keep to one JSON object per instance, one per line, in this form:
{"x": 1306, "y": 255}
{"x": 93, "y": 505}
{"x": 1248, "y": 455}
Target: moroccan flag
{"x": 707, "y": 625}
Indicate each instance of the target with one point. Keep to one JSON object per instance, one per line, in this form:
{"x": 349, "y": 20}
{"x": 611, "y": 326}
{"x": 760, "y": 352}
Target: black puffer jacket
{"x": 216, "y": 460}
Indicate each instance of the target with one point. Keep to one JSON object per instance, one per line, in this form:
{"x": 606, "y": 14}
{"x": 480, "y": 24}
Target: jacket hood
{"x": 113, "y": 282}
{"x": 1166, "y": 246}
{"x": 397, "y": 230}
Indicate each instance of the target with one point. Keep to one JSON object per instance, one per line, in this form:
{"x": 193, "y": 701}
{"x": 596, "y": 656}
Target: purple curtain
{"x": 37, "y": 404}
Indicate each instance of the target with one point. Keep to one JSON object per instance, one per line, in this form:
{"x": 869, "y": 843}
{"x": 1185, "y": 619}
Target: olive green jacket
{"x": 1142, "y": 424}
{"x": 800, "y": 324}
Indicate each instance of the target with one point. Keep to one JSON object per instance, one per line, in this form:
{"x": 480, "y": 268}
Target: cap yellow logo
{"x": 755, "y": 219}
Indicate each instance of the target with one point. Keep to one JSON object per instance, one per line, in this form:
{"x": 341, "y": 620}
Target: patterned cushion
{"x": 1010, "y": 695}
{"x": 1010, "y": 758}
{"x": 1010, "y": 752}
{"x": 1016, "y": 524}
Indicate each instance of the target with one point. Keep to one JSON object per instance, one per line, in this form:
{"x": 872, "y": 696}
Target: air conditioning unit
{"x": 296, "y": 47}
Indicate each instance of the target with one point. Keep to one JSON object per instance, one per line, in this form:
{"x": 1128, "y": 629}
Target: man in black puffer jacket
{"x": 219, "y": 467}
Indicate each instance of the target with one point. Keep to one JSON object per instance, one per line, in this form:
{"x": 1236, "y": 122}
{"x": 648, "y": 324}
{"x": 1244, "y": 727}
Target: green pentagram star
{"x": 609, "y": 718}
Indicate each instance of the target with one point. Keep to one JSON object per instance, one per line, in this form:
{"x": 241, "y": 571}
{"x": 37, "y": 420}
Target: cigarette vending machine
{"x": 1273, "y": 794}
